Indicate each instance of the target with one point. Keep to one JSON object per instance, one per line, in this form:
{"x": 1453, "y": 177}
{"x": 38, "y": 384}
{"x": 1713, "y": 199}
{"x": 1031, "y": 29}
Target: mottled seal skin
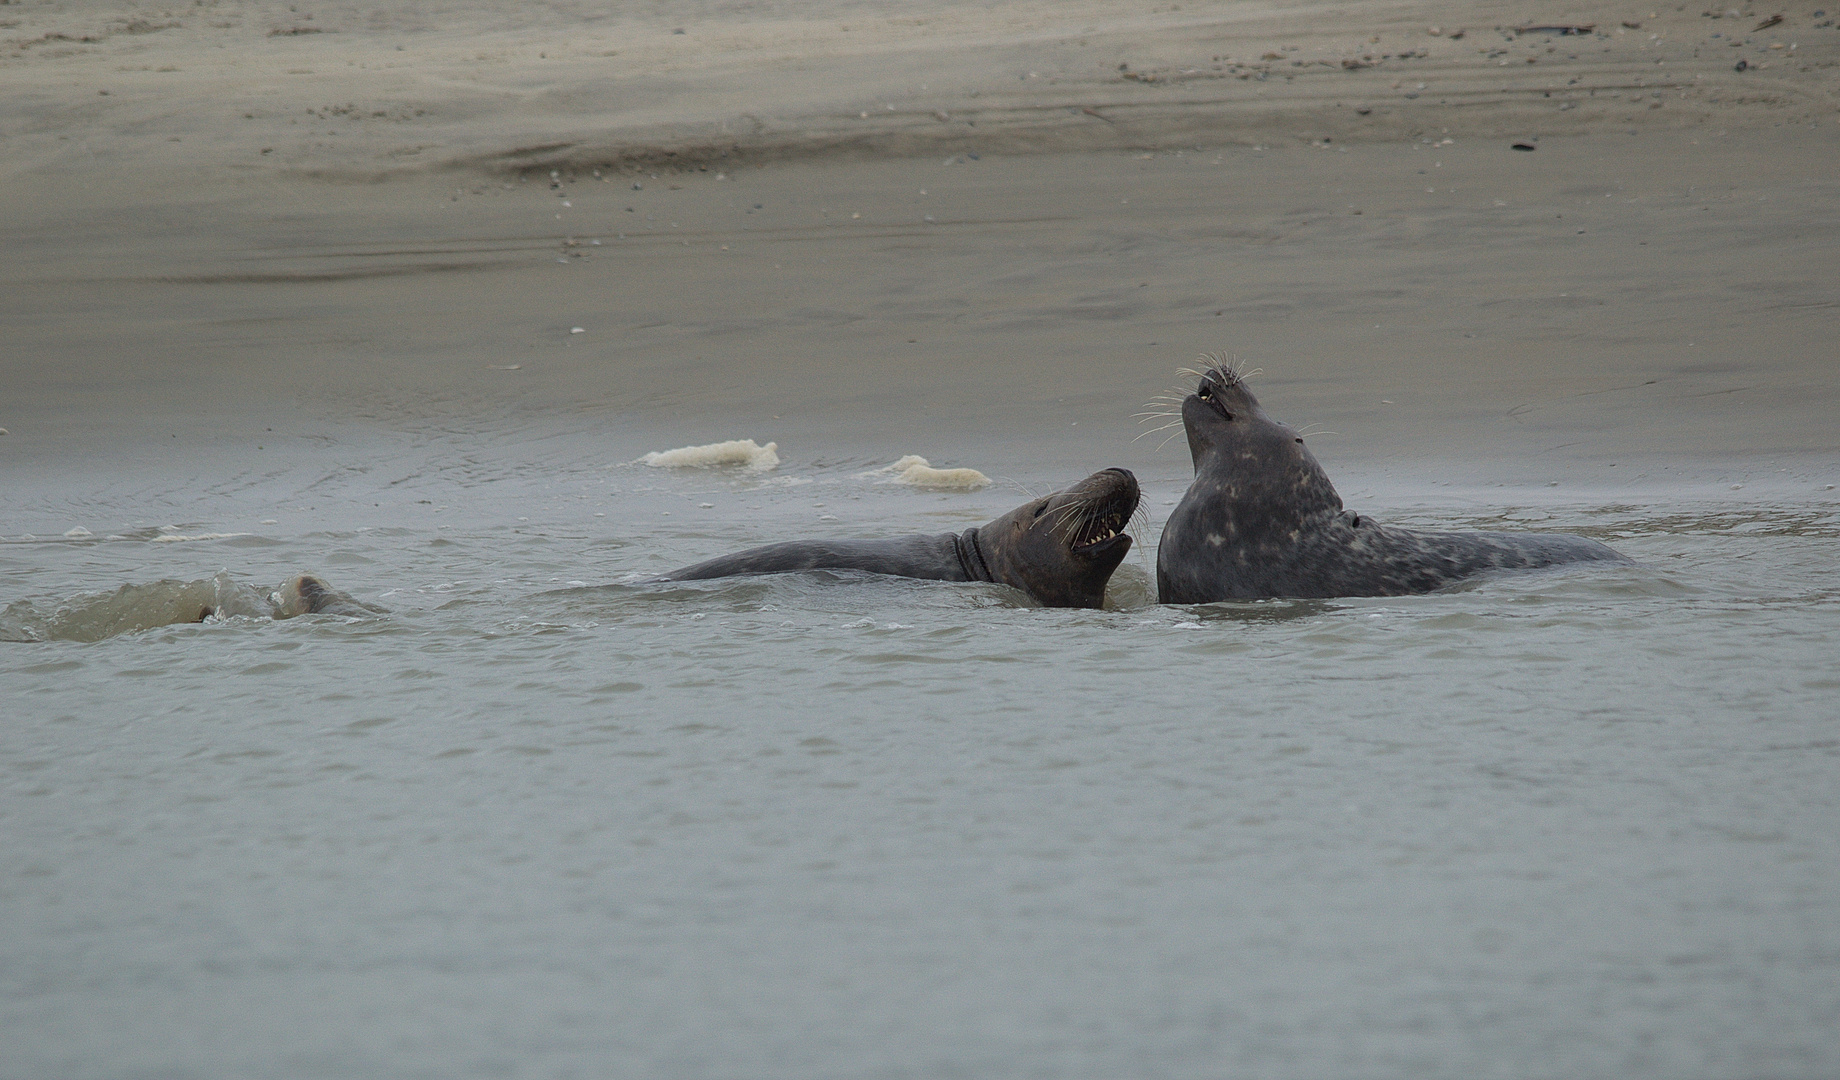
{"x": 1262, "y": 520}
{"x": 1061, "y": 549}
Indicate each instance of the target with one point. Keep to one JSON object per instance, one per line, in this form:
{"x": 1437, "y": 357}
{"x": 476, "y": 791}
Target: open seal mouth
{"x": 1103, "y": 531}
{"x": 1100, "y": 507}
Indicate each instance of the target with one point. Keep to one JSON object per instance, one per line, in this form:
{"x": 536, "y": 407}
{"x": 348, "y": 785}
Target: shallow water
{"x": 542, "y": 820}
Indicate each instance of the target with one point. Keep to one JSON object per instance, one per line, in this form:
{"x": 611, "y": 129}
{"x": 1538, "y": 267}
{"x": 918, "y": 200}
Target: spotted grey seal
{"x": 1060, "y": 549}
{"x": 1262, "y": 520}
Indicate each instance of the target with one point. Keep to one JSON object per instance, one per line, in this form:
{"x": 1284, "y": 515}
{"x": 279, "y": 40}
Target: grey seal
{"x": 1261, "y": 519}
{"x": 1060, "y": 549}
{"x": 304, "y": 594}
{"x": 132, "y": 608}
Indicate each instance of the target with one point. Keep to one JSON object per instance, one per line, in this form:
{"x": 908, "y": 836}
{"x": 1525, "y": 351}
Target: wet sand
{"x": 1647, "y": 294}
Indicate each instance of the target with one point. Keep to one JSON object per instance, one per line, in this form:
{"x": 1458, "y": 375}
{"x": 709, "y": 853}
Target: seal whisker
{"x": 1074, "y": 526}
{"x": 1172, "y": 396}
{"x": 1177, "y": 422}
{"x": 1139, "y": 523}
{"x": 1140, "y": 532}
{"x": 1068, "y": 513}
{"x": 1224, "y": 368}
{"x": 1059, "y": 513}
{"x": 1019, "y": 486}
{"x": 1083, "y": 523}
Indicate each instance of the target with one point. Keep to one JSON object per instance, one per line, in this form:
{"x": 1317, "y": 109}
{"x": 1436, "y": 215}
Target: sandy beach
{"x": 345, "y": 90}
{"x": 340, "y": 206}
{"x": 404, "y": 295}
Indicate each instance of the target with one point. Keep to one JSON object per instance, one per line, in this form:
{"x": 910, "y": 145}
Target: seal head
{"x": 1061, "y": 549}
{"x": 304, "y": 594}
{"x": 1261, "y": 519}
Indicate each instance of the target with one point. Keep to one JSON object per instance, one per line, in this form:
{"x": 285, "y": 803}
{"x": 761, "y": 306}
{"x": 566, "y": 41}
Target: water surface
{"x": 537, "y": 821}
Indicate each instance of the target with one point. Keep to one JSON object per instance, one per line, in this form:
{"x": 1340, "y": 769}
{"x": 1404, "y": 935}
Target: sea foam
{"x": 744, "y": 452}
{"x": 180, "y": 538}
{"x": 916, "y": 471}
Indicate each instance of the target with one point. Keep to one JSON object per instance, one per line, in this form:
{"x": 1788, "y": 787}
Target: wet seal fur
{"x": 304, "y": 594}
{"x": 1261, "y": 520}
{"x": 1060, "y": 549}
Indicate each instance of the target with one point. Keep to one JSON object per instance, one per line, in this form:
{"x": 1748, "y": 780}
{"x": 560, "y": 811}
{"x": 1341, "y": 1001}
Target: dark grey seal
{"x": 1262, "y": 520}
{"x": 1061, "y": 549}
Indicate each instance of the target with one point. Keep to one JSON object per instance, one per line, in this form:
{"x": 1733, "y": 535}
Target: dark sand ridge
{"x": 362, "y": 89}
{"x": 1612, "y": 309}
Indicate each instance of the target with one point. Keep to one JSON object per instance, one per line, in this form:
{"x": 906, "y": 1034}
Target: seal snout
{"x": 1104, "y": 504}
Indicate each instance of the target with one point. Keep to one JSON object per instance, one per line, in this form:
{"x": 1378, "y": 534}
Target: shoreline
{"x": 173, "y": 293}
{"x": 1508, "y": 314}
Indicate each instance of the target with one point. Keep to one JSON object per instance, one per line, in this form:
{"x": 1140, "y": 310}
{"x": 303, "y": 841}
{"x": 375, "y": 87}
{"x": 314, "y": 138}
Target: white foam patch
{"x": 743, "y": 452}
{"x": 174, "y": 538}
{"x": 918, "y": 472}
